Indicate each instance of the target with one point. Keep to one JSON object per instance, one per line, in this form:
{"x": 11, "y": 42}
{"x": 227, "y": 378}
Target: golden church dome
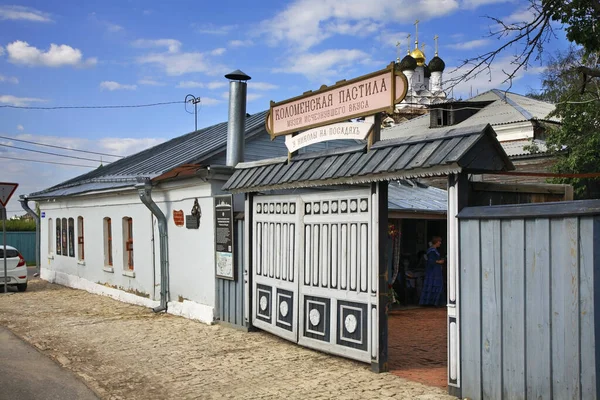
{"x": 418, "y": 56}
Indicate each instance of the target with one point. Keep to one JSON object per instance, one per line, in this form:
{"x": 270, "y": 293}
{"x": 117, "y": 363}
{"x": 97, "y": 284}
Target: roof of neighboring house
{"x": 192, "y": 148}
{"x": 506, "y": 108}
{"x": 407, "y": 195}
{"x": 517, "y": 148}
{"x": 436, "y": 154}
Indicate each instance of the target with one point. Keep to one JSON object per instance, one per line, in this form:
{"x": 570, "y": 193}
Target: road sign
{"x": 6, "y": 191}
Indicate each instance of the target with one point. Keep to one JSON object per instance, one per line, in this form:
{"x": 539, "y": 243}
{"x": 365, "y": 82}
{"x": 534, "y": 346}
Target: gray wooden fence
{"x": 530, "y": 292}
{"x": 231, "y": 293}
{"x": 24, "y": 242}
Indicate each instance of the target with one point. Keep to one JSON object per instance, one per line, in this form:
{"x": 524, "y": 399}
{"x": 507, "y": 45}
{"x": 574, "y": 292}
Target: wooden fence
{"x": 530, "y": 293}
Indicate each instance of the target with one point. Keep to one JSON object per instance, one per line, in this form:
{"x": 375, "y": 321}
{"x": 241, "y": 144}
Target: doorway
{"x": 417, "y": 335}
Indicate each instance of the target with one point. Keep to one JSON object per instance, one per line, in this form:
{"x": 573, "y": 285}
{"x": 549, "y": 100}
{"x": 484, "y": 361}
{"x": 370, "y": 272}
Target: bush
{"x": 20, "y": 225}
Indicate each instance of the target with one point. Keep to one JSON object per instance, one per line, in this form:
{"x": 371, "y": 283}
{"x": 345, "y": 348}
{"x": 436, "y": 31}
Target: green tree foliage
{"x": 576, "y": 143}
{"x": 19, "y": 225}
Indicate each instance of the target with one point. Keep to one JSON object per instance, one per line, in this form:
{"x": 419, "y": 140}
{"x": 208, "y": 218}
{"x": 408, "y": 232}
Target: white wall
{"x": 191, "y": 251}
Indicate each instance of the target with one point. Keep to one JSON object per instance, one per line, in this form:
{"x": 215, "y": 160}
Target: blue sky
{"x": 113, "y": 52}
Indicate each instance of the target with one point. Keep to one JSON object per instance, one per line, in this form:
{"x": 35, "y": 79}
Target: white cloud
{"x": 20, "y": 128}
{"x": 219, "y": 51}
{"x": 112, "y": 85}
{"x": 211, "y": 29}
{"x": 472, "y": 44}
{"x": 209, "y": 101}
{"x": 216, "y": 85}
{"x": 523, "y": 15}
{"x": 190, "y": 84}
{"x": 240, "y": 43}
{"x": 20, "y": 52}
{"x": 113, "y": 27}
{"x": 9, "y": 79}
{"x": 262, "y": 86}
{"x": 253, "y": 96}
{"x": 150, "y": 82}
{"x": 18, "y": 101}
{"x": 486, "y": 81}
{"x": 176, "y": 64}
{"x": 305, "y": 23}
{"x": 326, "y": 64}
{"x": 23, "y": 13}
{"x": 471, "y": 4}
{"x": 172, "y": 45}
{"x": 126, "y": 146}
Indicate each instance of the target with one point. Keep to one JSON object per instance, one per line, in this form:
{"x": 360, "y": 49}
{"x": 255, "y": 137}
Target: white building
{"x": 98, "y": 235}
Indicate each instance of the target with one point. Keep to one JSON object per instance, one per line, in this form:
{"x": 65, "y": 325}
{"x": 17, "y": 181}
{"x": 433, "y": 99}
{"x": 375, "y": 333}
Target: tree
{"x": 580, "y": 20}
{"x": 576, "y": 141}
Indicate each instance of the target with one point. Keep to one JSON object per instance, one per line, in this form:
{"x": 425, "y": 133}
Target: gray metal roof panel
{"x": 189, "y": 148}
{"x": 424, "y": 154}
{"x": 339, "y": 161}
{"x": 376, "y": 160}
{"x": 449, "y": 152}
{"x": 391, "y": 159}
{"x": 408, "y": 155}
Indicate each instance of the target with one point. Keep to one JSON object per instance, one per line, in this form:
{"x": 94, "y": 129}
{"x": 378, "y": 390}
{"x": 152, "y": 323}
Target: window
{"x": 71, "y": 237}
{"x": 64, "y": 237}
{"x": 108, "y": 257}
{"x": 50, "y": 236}
{"x": 128, "y": 243}
{"x": 58, "y": 236}
{"x": 80, "y": 248}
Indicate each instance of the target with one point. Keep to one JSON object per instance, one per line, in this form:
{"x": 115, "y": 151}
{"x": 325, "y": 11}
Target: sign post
{"x": 6, "y": 191}
{"x": 224, "y": 237}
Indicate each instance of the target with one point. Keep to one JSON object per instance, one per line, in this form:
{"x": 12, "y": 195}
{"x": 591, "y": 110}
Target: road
{"x": 26, "y": 374}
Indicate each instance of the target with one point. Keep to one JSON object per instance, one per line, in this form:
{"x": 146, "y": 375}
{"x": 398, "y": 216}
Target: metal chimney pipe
{"x": 237, "y": 117}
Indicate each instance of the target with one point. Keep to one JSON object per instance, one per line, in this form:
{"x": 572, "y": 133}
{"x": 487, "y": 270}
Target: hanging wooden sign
{"x": 362, "y": 96}
{"x": 341, "y": 130}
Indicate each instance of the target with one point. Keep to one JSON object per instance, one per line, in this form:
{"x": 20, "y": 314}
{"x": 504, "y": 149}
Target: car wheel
{"x": 22, "y": 287}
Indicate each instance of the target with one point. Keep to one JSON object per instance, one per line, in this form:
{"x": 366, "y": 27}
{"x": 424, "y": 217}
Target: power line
{"x": 90, "y": 107}
{"x": 50, "y": 153}
{"x": 58, "y": 147}
{"x": 47, "y": 162}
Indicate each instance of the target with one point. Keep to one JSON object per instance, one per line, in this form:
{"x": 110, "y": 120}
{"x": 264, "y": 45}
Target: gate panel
{"x": 275, "y": 260}
{"x": 336, "y": 298}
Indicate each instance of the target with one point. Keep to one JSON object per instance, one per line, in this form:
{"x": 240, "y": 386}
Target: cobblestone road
{"x": 127, "y": 352}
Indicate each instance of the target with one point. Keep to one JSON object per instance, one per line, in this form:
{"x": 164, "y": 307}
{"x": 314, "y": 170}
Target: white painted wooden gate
{"x": 315, "y": 280}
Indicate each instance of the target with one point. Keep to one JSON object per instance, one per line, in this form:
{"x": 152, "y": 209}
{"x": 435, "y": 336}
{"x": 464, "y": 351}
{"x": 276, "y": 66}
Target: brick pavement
{"x": 418, "y": 343}
{"x": 123, "y": 351}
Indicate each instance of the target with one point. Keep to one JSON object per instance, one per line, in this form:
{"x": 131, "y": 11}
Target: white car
{"x": 16, "y": 269}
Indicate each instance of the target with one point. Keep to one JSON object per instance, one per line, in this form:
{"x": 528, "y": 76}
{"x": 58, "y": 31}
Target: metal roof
{"x": 407, "y": 195}
{"x": 438, "y": 154}
{"x": 516, "y": 148}
{"x": 191, "y": 148}
{"x": 506, "y": 109}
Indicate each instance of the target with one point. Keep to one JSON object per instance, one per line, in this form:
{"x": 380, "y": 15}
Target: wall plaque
{"x": 178, "y": 217}
{"x": 224, "y": 237}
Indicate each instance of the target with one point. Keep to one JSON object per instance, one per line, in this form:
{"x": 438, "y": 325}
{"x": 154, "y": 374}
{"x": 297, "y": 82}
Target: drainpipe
{"x": 237, "y": 117}
{"x": 24, "y": 200}
{"x": 145, "y": 192}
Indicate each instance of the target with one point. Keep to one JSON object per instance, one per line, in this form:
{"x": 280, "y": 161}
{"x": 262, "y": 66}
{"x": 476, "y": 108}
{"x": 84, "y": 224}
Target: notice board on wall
{"x": 224, "y": 237}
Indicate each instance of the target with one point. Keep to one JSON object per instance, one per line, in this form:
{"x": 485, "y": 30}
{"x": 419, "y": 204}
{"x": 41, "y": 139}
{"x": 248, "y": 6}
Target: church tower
{"x": 424, "y": 80}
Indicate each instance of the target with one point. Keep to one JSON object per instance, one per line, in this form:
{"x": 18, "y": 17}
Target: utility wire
{"x": 58, "y": 147}
{"x": 50, "y": 153}
{"x": 47, "y": 162}
{"x": 90, "y": 107}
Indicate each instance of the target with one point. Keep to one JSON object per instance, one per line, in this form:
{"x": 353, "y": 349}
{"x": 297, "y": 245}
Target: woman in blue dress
{"x": 433, "y": 292}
